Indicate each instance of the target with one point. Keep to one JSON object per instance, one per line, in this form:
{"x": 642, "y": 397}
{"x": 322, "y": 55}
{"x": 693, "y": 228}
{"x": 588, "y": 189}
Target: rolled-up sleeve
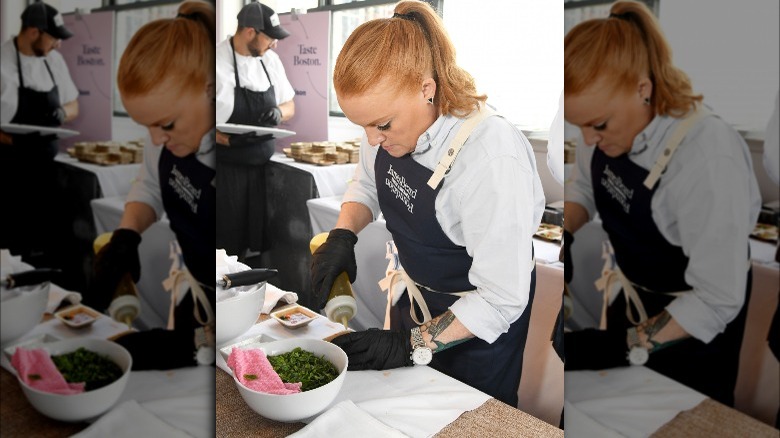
{"x": 500, "y": 208}
{"x": 710, "y": 210}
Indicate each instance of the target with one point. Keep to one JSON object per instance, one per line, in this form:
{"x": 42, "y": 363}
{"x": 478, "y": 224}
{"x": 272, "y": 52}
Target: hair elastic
{"x": 619, "y": 16}
{"x": 408, "y": 16}
{"x": 192, "y": 17}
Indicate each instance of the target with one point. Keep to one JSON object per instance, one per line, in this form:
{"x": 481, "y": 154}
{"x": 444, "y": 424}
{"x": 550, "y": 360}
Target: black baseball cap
{"x": 47, "y": 19}
{"x": 263, "y": 19}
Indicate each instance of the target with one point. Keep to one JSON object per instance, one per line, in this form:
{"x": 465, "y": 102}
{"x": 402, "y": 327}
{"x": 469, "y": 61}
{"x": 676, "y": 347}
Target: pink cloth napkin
{"x": 255, "y": 363}
{"x": 37, "y": 370}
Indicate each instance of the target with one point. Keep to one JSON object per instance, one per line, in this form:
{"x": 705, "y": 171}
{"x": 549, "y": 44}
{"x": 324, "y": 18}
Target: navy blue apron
{"x": 189, "y": 198}
{"x": 240, "y": 175}
{"x": 655, "y": 265}
{"x": 28, "y": 174}
{"x": 434, "y": 261}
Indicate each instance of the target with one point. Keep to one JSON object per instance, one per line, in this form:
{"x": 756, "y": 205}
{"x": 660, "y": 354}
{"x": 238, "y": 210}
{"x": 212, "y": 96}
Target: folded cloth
{"x": 273, "y": 295}
{"x": 36, "y": 368}
{"x": 57, "y": 295}
{"x": 130, "y": 420}
{"x": 346, "y": 419}
{"x": 254, "y": 371}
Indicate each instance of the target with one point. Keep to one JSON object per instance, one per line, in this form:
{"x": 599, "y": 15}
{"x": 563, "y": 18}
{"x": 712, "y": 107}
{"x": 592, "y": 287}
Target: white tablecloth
{"x": 630, "y": 401}
{"x": 155, "y": 262}
{"x": 114, "y": 180}
{"x": 330, "y": 180}
{"x": 418, "y": 401}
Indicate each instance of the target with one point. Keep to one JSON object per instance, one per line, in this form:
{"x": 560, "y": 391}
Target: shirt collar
{"x": 651, "y": 135}
{"x": 435, "y": 135}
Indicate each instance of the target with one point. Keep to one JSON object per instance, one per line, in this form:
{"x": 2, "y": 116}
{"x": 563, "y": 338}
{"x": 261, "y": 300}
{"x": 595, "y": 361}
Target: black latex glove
{"x": 59, "y": 115}
{"x": 568, "y": 270}
{"x": 376, "y": 349}
{"x": 272, "y": 117}
{"x": 593, "y": 349}
{"x": 334, "y": 256}
{"x": 247, "y": 139}
{"x": 118, "y": 257}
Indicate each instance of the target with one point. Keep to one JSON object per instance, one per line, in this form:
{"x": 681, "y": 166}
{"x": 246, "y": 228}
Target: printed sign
{"x": 305, "y": 55}
{"x": 88, "y": 54}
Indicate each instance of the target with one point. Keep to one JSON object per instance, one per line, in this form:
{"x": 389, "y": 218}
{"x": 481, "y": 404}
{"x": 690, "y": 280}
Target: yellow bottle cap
{"x": 316, "y": 241}
{"x": 101, "y": 241}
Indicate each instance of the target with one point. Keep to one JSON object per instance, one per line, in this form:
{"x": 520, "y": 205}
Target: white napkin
{"x": 130, "y": 420}
{"x": 57, "y": 295}
{"x": 346, "y": 420}
{"x": 273, "y": 295}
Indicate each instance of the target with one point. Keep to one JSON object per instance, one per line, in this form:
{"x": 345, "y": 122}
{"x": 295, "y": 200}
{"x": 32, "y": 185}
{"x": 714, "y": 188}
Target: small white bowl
{"x": 89, "y": 404}
{"x": 288, "y": 316}
{"x": 78, "y": 316}
{"x": 296, "y": 407}
{"x": 23, "y": 311}
{"x": 237, "y": 314}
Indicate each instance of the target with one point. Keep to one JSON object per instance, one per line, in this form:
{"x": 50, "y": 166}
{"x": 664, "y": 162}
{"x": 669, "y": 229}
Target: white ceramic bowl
{"x": 296, "y": 407}
{"x": 89, "y": 404}
{"x": 20, "y": 313}
{"x": 237, "y": 314}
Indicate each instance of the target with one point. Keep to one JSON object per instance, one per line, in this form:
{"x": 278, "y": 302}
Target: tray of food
{"x": 765, "y": 232}
{"x": 552, "y": 233}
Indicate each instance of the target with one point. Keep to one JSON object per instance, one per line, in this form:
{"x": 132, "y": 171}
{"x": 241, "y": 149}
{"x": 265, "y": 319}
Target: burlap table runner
{"x": 491, "y": 420}
{"x": 710, "y": 418}
{"x": 19, "y": 418}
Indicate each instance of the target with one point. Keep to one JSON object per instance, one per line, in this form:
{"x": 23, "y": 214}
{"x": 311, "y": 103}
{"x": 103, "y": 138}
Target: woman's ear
{"x": 429, "y": 88}
{"x": 645, "y": 88}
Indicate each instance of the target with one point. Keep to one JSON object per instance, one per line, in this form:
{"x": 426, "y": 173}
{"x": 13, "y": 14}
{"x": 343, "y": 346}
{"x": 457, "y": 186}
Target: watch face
{"x": 638, "y": 356}
{"x": 422, "y": 356}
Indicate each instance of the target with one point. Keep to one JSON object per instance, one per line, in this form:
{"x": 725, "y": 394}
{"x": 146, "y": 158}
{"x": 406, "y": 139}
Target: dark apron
{"x": 189, "y": 197}
{"x": 240, "y": 174}
{"x": 28, "y": 175}
{"x": 650, "y": 261}
{"x": 433, "y": 260}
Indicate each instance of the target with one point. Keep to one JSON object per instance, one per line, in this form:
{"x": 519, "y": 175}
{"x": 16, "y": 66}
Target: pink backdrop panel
{"x": 88, "y": 54}
{"x": 305, "y": 54}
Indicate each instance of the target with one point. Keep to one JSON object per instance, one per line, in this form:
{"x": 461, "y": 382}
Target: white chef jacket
{"x": 491, "y": 202}
{"x": 251, "y": 75}
{"x": 35, "y": 77}
{"x": 146, "y": 187}
{"x": 707, "y": 202}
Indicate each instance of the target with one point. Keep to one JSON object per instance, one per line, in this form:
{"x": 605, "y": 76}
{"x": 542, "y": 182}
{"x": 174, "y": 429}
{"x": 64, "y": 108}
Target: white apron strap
{"x": 177, "y": 284}
{"x": 671, "y": 146}
{"x": 463, "y": 134}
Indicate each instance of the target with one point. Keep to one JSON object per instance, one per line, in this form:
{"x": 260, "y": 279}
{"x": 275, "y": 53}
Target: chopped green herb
{"x": 250, "y": 376}
{"x": 89, "y": 367}
{"x": 302, "y": 366}
{"x": 34, "y": 376}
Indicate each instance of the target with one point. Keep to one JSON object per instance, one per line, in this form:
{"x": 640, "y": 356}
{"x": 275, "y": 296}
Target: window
{"x": 499, "y": 43}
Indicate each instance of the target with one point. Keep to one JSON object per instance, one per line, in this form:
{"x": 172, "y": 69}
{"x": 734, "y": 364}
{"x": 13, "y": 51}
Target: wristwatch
{"x": 637, "y": 354}
{"x": 421, "y": 354}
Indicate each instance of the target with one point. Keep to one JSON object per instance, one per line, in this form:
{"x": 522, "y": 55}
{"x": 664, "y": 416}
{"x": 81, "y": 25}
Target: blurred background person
{"x": 35, "y": 89}
{"x": 252, "y": 89}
